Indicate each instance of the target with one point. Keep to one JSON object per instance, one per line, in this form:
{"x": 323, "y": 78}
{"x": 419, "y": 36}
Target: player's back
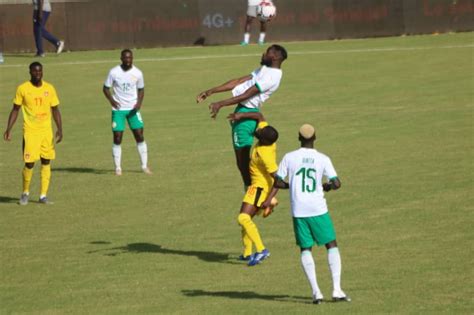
{"x": 305, "y": 170}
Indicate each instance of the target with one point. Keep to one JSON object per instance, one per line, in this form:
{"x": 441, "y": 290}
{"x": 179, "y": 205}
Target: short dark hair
{"x": 35, "y": 64}
{"x": 281, "y": 50}
{"x": 126, "y": 50}
{"x": 269, "y": 134}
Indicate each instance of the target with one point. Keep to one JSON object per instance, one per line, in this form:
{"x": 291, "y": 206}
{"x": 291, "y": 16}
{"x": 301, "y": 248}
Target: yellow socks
{"x": 247, "y": 242}
{"x": 45, "y": 177}
{"x": 27, "y": 175}
{"x": 247, "y": 224}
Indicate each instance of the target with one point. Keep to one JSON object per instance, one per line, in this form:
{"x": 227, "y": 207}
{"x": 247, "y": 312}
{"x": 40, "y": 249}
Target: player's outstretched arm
{"x": 229, "y": 85}
{"x": 277, "y": 185}
{"x": 11, "y": 121}
{"x": 215, "y": 107}
{"x": 333, "y": 184}
{"x": 59, "y": 124}
{"x": 239, "y": 116}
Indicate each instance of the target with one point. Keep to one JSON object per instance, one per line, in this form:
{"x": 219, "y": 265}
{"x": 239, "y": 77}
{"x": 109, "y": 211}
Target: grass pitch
{"x": 394, "y": 114}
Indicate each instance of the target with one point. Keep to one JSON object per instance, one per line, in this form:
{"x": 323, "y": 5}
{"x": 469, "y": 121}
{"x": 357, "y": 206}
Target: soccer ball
{"x": 266, "y": 11}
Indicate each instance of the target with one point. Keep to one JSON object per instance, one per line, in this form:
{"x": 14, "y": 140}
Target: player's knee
{"x": 29, "y": 165}
{"x": 243, "y": 218}
{"x": 331, "y": 244}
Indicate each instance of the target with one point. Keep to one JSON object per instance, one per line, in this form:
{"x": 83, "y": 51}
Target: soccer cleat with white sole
{"x": 340, "y": 297}
{"x": 317, "y": 298}
{"x": 44, "y": 200}
{"x": 60, "y": 47}
{"x": 147, "y": 171}
{"x": 118, "y": 171}
{"x": 23, "y": 199}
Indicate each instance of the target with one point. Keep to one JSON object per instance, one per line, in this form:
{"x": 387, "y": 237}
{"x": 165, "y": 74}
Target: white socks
{"x": 334, "y": 261}
{"x": 261, "y": 38}
{"x": 309, "y": 268}
{"x": 246, "y": 38}
{"x": 117, "y": 155}
{"x": 143, "y": 151}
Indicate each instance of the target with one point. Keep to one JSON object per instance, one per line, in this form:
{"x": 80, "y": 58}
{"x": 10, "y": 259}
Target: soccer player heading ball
{"x": 249, "y": 92}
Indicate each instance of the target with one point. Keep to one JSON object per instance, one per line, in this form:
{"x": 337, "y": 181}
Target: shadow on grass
{"x": 246, "y": 295}
{"x": 139, "y": 248}
{"x": 87, "y": 170}
{"x": 5, "y": 199}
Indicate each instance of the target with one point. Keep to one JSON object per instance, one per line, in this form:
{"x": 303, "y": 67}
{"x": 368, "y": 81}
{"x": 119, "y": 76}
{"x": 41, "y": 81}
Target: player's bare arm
{"x": 277, "y": 185}
{"x": 229, "y": 85}
{"x": 333, "y": 184}
{"x": 11, "y": 121}
{"x": 109, "y": 97}
{"x": 215, "y": 107}
{"x": 239, "y": 116}
{"x": 59, "y": 124}
{"x": 141, "y": 95}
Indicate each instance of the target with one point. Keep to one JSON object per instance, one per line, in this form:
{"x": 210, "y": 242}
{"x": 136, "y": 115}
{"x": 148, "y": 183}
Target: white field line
{"x": 204, "y": 57}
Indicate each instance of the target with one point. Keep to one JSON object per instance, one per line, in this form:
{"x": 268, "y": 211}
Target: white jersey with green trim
{"x": 266, "y": 79}
{"x": 305, "y": 169}
{"x": 125, "y": 85}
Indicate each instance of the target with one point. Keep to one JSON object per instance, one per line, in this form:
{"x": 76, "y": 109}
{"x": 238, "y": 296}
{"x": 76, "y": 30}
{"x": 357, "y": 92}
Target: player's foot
{"x": 147, "y": 171}
{"x": 60, "y": 47}
{"x": 39, "y": 55}
{"x": 245, "y": 258}
{"x": 258, "y": 257}
{"x": 44, "y": 200}
{"x": 340, "y": 297}
{"x": 23, "y": 199}
{"x": 261, "y": 42}
{"x": 118, "y": 171}
{"x": 244, "y": 44}
{"x": 317, "y": 298}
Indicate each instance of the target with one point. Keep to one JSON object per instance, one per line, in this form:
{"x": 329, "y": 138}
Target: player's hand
{"x": 59, "y": 136}
{"x": 7, "y": 136}
{"x": 235, "y": 117}
{"x": 326, "y": 187}
{"x": 137, "y": 107}
{"x": 202, "y": 96}
{"x": 214, "y": 109}
{"x": 115, "y": 104}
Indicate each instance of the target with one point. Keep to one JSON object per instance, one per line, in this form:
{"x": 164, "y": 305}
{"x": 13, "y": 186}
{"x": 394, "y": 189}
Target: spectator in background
{"x": 41, "y": 13}
{"x": 251, "y": 15}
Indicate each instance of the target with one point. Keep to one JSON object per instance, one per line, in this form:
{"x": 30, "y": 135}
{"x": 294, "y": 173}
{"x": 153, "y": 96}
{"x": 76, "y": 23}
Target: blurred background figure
{"x": 41, "y": 13}
{"x": 251, "y": 15}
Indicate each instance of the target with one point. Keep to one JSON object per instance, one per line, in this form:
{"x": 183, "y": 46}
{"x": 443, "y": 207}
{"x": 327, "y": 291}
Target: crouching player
{"x": 263, "y": 167}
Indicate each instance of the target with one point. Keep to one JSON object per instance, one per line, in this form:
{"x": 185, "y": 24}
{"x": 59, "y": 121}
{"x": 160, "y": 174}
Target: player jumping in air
{"x": 249, "y": 92}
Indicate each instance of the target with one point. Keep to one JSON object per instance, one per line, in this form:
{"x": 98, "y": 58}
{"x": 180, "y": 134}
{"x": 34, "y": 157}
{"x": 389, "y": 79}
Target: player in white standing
{"x": 252, "y": 7}
{"x": 128, "y": 87}
{"x": 312, "y": 224}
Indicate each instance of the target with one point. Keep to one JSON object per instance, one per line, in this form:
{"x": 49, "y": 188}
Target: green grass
{"x": 396, "y": 121}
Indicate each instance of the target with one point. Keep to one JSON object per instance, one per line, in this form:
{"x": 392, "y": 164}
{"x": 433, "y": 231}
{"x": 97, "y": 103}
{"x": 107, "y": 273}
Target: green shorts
{"x": 133, "y": 117}
{"x": 243, "y": 130}
{"x": 318, "y": 229}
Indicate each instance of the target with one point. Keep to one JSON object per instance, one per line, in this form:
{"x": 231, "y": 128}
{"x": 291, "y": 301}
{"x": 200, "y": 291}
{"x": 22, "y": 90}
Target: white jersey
{"x": 253, "y": 2}
{"x": 125, "y": 85}
{"x": 266, "y": 79}
{"x": 46, "y": 5}
{"x": 305, "y": 169}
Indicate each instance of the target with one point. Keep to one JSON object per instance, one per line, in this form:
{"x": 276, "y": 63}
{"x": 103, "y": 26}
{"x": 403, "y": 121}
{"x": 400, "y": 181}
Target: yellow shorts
{"x": 38, "y": 145}
{"x": 255, "y": 196}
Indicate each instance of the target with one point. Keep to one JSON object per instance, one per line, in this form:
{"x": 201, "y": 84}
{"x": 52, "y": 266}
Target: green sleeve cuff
{"x": 258, "y": 87}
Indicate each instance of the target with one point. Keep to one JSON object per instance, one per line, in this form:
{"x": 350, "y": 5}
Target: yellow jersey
{"x": 263, "y": 163}
{"x": 36, "y": 103}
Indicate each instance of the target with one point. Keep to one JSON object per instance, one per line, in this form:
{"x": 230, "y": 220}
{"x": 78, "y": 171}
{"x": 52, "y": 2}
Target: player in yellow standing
{"x": 263, "y": 167}
{"x": 38, "y": 101}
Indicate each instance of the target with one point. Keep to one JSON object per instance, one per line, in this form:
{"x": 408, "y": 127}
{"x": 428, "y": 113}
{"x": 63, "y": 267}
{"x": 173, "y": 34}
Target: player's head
{"x": 126, "y": 56}
{"x": 266, "y": 135}
{"x": 307, "y": 134}
{"x": 274, "y": 56}
{"x": 36, "y": 71}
